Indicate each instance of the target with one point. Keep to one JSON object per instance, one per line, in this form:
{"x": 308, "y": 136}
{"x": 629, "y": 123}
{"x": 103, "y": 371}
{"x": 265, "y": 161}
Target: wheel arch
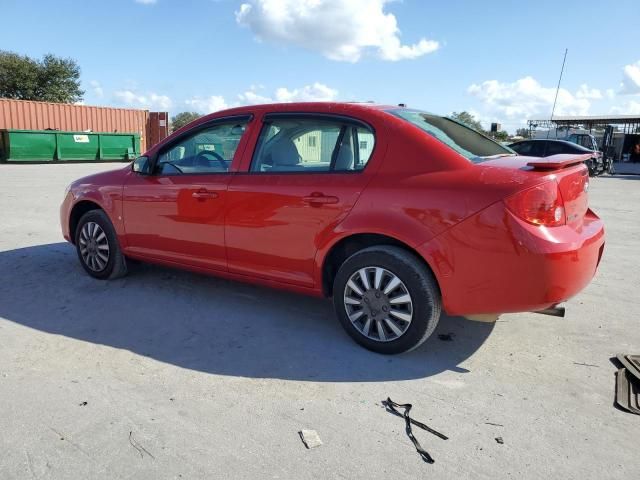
{"x": 77, "y": 211}
{"x": 348, "y": 245}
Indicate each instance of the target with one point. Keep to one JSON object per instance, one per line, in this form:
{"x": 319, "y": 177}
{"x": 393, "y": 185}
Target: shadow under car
{"x": 209, "y": 324}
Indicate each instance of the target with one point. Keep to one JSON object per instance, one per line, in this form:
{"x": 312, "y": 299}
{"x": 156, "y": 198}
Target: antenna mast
{"x": 553, "y": 109}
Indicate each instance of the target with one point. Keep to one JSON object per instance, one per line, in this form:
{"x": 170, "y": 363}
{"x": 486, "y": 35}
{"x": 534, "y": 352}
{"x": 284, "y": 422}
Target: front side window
{"x": 209, "y": 150}
{"x": 311, "y": 145}
{"x": 464, "y": 140}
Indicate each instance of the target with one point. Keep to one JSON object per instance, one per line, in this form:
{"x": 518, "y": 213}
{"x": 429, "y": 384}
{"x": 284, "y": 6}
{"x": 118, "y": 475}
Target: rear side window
{"x": 464, "y": 140}
{"x": 310, "y": 145}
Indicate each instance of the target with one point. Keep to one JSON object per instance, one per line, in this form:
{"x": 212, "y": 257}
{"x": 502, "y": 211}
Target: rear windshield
{"x": 464, "y": 140}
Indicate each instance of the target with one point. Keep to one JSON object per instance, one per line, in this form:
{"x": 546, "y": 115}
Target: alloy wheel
{"x": 94, "y": 246}
{"x": 378, "y": 304}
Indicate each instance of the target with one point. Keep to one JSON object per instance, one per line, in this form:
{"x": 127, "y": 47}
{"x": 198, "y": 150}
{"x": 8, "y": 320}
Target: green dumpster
{"x": 56, "y": 146}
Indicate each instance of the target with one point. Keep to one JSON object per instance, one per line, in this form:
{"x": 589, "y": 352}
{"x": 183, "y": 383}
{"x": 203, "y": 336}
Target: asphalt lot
{"x": 186, "y": 376}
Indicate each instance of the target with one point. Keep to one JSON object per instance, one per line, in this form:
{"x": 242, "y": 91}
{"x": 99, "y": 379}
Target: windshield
{"x": 464, "y": 140}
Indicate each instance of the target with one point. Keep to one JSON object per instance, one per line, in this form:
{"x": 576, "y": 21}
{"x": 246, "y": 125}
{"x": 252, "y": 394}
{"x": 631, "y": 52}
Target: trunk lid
{"x": 570, "y": 173}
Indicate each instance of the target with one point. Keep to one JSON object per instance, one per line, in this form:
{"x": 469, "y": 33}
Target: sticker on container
{"x": 81, "y": 138}
{"x": 163, "y": 123}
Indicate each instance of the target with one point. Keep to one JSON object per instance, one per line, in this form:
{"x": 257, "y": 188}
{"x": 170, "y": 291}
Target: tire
{"x": 391, "y": 306}
{"x": 93, "y": 233}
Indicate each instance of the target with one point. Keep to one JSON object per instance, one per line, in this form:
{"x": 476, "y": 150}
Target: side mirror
{"x": 142, "y": 166}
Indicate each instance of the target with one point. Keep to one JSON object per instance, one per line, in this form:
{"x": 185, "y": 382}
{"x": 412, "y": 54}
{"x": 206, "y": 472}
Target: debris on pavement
{"x": 83, "y": 404}
{"x": 499, "y": 440}
{"x": 391, "y": 407}
{"x": 494, "y": 424}
{"x": 141, "y": 450}
{"x": 586, "y": 364}
{"x": 627, "y": 393}
{"x": 631, "y": 363}
{"x": 310, "y": 438}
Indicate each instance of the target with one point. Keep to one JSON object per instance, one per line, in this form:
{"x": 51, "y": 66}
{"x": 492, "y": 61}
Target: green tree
{"x": 500, "y": 136}
{"x": 181, "y": 119}
{"x": 468, "y": 119}
{"x": 52, "y": 79}
{"x": 523, "y": 132}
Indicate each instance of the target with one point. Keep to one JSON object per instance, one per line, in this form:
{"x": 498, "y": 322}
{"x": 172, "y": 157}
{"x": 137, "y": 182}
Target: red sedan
{"x": 395, "y": 213}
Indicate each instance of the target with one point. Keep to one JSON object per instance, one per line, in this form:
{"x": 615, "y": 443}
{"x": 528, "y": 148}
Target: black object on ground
{"x": 631, "y": 363}
{"x": 627, "y": 391}
{"x": 391, "y": 407}
{"x": 634, "y": 396}
{"x": 446, "y": 337}
{"x": 499, "y": 440}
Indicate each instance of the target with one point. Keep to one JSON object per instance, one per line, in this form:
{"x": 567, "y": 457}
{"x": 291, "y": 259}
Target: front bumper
{"x": 65, "y": 212}
{"x": 495, "y": 263}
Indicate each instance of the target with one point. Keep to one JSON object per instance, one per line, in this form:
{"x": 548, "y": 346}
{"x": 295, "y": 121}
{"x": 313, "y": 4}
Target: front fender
{"x": 106, "y": 197}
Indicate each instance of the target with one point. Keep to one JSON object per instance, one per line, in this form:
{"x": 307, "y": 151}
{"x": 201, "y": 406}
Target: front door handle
{"x": 203, "y": 194}
{"x": 318, "y": 198}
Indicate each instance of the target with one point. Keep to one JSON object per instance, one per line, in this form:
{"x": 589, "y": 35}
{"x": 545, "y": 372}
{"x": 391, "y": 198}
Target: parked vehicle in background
{"x": 395, "y": 213}
{"x": 604, "y": 161}
{"x": 585, "y": 140}
{"x": 546, "y": 148}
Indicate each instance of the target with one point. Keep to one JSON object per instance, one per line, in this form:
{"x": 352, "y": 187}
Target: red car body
{"x": 283, "y": 229}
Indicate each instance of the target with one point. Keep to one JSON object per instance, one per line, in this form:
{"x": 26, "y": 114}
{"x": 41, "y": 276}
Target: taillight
{"x": 540, "y": 205}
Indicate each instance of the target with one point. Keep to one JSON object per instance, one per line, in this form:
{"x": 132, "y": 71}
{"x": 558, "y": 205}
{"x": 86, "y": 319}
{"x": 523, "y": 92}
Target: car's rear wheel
{"x": 98, "y": 248}
{"x": 386, "y": 299}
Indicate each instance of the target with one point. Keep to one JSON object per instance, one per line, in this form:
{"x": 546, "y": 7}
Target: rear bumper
{"x": 495, "y": 263}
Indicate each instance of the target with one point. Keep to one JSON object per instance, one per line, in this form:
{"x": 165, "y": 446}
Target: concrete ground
{"x": 167, "y": 374}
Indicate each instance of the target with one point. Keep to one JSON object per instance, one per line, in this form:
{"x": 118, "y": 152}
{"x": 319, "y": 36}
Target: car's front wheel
{"x": 386, "y": 299}
{"x": 97, "y": 246}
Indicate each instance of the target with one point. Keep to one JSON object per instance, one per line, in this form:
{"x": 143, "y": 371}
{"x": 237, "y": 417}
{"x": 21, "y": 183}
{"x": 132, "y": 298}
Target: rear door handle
{"x": 203, "y": 194}
{"x": 317, "y": 199}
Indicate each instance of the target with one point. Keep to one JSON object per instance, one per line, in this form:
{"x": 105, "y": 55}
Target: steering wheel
{"x": 202, "y": 156}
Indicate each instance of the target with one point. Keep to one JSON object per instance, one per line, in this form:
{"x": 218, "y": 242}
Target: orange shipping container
{"x": 29, "y": 115}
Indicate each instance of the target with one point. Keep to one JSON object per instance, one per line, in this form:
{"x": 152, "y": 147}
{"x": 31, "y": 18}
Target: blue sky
{"x": 499, "y": 60}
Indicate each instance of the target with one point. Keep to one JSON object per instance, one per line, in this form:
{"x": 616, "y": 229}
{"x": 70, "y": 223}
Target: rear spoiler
{"x": 560, "y": 161}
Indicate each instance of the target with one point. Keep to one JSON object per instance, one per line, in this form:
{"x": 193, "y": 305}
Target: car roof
{"x": 552, "y": 140}
{"x": 544, "y": 140}
{"x": 321, "y": 107}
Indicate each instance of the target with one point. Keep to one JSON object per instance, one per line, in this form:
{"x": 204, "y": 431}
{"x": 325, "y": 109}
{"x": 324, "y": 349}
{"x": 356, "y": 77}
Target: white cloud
{"x": 151, "y": 100}
{"x": 96, "y": 88}
{"x": 629, "y": 108}
{"x": 589, "y": 93}
{"x": 207, "y": 104}
{"x": 316, "y": 92}
{"x": 631, "y": 79}
{"x": 526, "y": 99}
{"x": 146, "y": 2}
{"x": 339, "y": 30}
{"x": 309, "y": 93}
{"x": 129, "y": 98}
{"x": 252, "y": 97}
